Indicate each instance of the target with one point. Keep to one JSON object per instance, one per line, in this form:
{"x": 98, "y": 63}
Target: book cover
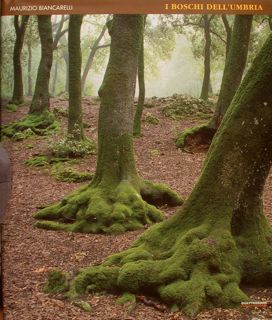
{"x": 135, "y": 159}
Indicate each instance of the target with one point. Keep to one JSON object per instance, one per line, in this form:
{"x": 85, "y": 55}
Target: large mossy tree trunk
{"x": 117, "y": 199}
{"x": 141, "y": 99}
{"x": 232, "y": 76}
{"x": 234, "y": 66}
{"x": 75, "y": 124}
{"x": 207, "y": 58}
{"x": 18, "y": 87}
{"x": 41, "y": 99}
{"x": 220, "y": 237}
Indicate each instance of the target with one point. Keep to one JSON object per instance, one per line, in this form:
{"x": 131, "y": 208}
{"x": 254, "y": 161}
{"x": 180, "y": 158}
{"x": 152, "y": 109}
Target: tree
{"x": 41, "y": 98}
{"x": 18, "y": 87}
{"x": 95, "y": 47}
{"x": 75, "y": 125}
{"x": 39, "y": 119}
{"x": 234, "y": 67}
{"x": 117, "y": 199}
{"x": 232, "y": 76}
{"x": 207, "y": 57}
{"x": 220, "y": 237}
{"x": 141, "y": 99}
{"x": 31, "y": 41}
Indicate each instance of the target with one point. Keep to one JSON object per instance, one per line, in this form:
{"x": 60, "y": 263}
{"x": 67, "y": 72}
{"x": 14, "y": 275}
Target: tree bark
{"x": 141, "y": 99}
{"x": 228, "y": 32}
{"x": 233, "y": 72}
{"x": 75, "y": 125}
{"x": 41, "y": 98}
{"x": 29, "y": 70}
{"x": 18, "y": 87}
{"x": 234, "y": 67}
{"x": 55, "y": 77}
{"x": 207, "y": 58}
{"x": 116, "y": 200}
{"x": 220, "y": 237}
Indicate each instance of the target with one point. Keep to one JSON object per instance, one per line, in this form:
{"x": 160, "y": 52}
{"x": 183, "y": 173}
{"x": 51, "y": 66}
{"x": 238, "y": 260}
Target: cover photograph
{"x": 135, "y": 160}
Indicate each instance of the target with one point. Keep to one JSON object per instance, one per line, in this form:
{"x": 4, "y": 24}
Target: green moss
{"x": 182, "y": 106}
{"x": 39, "y": 161}
{"x": 57, "y": 282}
{"x": 197, "y": 135}
{"x": 32, "y": 124}
{"x": 67, "y": 174}
{"x": 11, "y": 107}
{"x": 46, "y": 160}
{"x": 73, "y": 148}
{"x": 103, "y": 210}
{"x": 125, "y": 298}
{"x": 151, "y": 119}
{"x": 84, "y": 305}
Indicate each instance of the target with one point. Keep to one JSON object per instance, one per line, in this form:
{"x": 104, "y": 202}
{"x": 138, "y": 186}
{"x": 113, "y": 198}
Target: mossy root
{"x": 32, "y": 124}
{"x": 113, "y": 210}
{"x": 195, "y": 137}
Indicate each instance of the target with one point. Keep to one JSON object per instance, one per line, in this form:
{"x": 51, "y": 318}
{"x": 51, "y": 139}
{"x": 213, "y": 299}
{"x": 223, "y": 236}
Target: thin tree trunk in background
{"x": 75, "y": 125}
{"x": 55, "y": 77}
{"x": 18, "y": 86}
{"x": 234, "y": 66}
{"x": 29, "y": 70}
{"x": 41, "y": 98}
{"x": 207, "y": 58}
{"x": 141, "y": 98}
{"x": 228, "y": 32}
{"x": 91, "y": 56}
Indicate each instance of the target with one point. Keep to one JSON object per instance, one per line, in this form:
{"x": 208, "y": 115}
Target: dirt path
{"x": 30, "y": 252}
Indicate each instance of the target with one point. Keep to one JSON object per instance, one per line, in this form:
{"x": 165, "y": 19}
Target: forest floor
{"x": 30, "y": 252}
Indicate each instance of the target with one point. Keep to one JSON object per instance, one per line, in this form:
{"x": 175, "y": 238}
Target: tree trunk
{"x": 18, "y": 87}
{"x": 92, "y": 55}
{"x": 228, "y": 32}
{"x": 207, "y": 59}
{"x": 115, "y": 200}
{"x": 141, "y": 99}
{"x": 75, "y": 125}
{"x": 55, "y": 77}
{"x": 41, "y": 98}
{"x": 234, "y": 67}
{"x": 29, "y": 70}
{"x": 233, "y": 72}
{"x": 220, "y": 237}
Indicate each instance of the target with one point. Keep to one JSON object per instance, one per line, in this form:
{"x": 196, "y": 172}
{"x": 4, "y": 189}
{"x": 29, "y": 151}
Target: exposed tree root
{"x": 195, "y": 138}
{"x": 32, "y": 124}
{"x": 187, "y": 268}
{"x": 110, "y": 209}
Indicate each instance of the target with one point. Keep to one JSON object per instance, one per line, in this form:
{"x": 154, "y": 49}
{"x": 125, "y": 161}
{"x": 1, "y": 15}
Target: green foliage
{"x": 149, "y": 118}
{"x": 84, "y": 305}
{"x": 125, "y": 298}
{"x": 39, "y": 161}
{"x": 11, "y": 107}
{"x": 45, "y": 160}
{"x": 57, "y": 282}
{"x": 182, "y": 106}
{"x": 70, "y": 147}
{"x": 32, "y": 124}
{"x": 67, "y": 174}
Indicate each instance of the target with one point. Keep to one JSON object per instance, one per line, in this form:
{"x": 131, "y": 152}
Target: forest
{"x": 141, "y": 151}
